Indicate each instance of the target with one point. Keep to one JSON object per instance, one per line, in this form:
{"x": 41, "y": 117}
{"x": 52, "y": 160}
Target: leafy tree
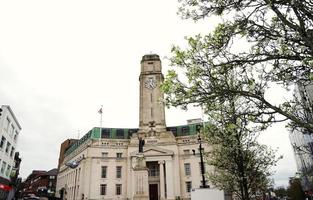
{"x": 229, "y": 72}
{"x": 280, "y": 192}
{"x": 242, "y": 165}
{"x": 294, "y": 190}
{"x": 278, "y": 40}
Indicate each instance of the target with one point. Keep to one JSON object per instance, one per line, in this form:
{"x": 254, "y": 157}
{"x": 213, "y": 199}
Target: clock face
{"x": 150, "y": 83}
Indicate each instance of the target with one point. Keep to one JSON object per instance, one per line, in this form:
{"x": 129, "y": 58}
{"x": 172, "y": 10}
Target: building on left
{"x": 9, "y": 134}
{"x": 39, "y": 183}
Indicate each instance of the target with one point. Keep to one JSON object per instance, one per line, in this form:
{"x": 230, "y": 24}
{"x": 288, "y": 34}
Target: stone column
{"x": 129, "y": 177}
{"x": 141, "y": 184}
{"x": 169, "y": 179}
{"x": 162, "y": 183}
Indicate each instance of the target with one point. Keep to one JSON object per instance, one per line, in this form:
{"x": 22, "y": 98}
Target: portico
{"x": 159, "y": 162}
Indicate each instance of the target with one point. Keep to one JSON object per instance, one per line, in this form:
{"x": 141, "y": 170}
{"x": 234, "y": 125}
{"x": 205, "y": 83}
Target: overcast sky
{"x": 60, "y": 60}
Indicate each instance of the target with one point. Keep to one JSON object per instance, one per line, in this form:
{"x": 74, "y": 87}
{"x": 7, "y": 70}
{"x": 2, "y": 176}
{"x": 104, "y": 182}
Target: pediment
{"x": 155, "y": 151}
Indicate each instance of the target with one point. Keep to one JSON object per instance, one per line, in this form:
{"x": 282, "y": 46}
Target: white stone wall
{"x": 9, "y": 129}
{"x": 194, "y": 161}
{"x": 88, "y": 172}
{"x": 72, "y": 180}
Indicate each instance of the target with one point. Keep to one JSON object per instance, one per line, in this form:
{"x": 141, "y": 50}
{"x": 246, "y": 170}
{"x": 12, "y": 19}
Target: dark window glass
{"x": 120, "y": 133}
{"x": 187, "y": 169}
{"x": 8, "y": 147}
{"x": 12, "y": 151}
{"x": 153, "y": 168}
{"x": 105, "y": 133}
{"x": 173, "y": 129}
{"x": 118, "y": 171}
{"x": 103, "y": 189}
{"x": 185, "y": 130}
{"x": 188, "y": 186}
{"x": 103, "y": 171}
{"x": 118, "y": 189}
{"x": 2, "y": 142}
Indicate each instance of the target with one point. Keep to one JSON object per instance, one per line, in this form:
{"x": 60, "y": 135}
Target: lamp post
{"x": 204, "y": 185}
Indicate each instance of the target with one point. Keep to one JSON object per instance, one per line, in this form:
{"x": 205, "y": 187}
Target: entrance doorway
{"x": 153, "y": 192}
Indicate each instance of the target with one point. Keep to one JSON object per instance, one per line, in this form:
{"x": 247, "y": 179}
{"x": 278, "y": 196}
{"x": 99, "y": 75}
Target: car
{"x": 31, "y": 197}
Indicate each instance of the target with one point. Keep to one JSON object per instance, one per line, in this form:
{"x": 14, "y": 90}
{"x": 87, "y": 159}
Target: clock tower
{"x": 151, "y": 109}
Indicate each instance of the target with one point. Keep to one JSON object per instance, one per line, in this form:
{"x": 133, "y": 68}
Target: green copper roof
{"x": 184, "y": 130}
{"x": 126, "y": 133}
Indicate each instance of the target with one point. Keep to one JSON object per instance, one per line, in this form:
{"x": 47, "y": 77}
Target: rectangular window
{"x": 15, "y": 136}
{"x": 187, "y": 169}
{"x": 119, "y": 155}
{"x": 105, "y": 133}
{"x": 188, "y": 186}
{"x": 2, "y": 142}
{"x": 154, "y": 168}
{"x": 104, "y": 154}
{"x": 8, "y": 147}
{"x": 118, "y": 171}
{"x": 4, "y": 164}
{"x": 103, "y": 189}
{"x": 103, "y": 171}
{"x": 12, "y": 152}
{"x": 8, "y": 124}
{"x": 120, "y": 133}
{"x": 185, "y": 130}
{"x": 118, "y": 190}
{"x": 12, "y": 130}
{"x": 8, "y": 170}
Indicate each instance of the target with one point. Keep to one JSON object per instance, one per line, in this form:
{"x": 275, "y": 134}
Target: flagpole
{"x": 100, "y": 125}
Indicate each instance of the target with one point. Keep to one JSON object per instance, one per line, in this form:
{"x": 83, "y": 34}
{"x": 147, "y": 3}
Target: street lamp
{"x": 204, "y": 185}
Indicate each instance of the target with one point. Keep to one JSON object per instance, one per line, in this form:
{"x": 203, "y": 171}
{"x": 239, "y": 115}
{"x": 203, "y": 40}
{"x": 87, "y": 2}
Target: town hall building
{"x": 109, "y": 163}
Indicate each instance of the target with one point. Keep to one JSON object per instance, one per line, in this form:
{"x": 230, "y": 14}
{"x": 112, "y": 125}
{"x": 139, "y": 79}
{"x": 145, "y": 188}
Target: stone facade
{"x": 9, "y": 135}
{"x": 107, "y": 162}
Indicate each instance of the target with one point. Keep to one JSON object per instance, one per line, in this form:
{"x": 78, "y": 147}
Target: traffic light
{"x": 0, "y": 111}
